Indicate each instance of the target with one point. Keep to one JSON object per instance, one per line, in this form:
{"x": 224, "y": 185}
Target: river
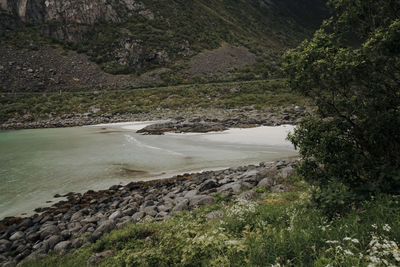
{"x": 37, "y": 164}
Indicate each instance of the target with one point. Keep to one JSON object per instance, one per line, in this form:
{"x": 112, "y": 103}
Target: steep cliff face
{"x": 71, "y": 11}
{"x": 70, "y": 19}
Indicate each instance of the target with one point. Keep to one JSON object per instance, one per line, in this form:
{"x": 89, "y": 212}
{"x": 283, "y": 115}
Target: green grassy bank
{"x": 278, "y": 229}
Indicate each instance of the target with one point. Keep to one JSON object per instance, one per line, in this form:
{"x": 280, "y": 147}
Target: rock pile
{"x": 84, "y": 218}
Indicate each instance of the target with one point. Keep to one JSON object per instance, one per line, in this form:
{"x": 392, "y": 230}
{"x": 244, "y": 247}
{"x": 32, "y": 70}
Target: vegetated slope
{"x": 132, "y": 37}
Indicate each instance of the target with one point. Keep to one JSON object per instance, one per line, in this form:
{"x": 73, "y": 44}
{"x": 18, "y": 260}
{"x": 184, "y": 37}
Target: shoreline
{"x": 179, "y": 120}
{"x": 94, "y": 213}
{"x": 91, "y": 214}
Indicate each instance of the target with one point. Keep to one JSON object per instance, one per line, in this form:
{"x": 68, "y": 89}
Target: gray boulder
{"x": 182, "y": 205}
{"x": 209, "y": 184}
{"x": 201, "y": 200}
{"x": 62, "y": 246}
{"x": 48, "y": 230}
{"x": 287, "y": 171}
{"x": 117, "y": 214}
{"x": 249, "y": 195}
{"x": 77, "y": 216}
{"x": 138, "y": 216}
{"x": 266, "y": 182}
{"x": 151, "y": 211}
{"x": 214, "y": 214}
{"x": 105, "y": 227}
{"x": 17, "y": 235}
{"x": 280, "y": 188}
{"x": 5, "y": 245}
{"x": 191, "y": 193}
{"x": 51, "y": 242}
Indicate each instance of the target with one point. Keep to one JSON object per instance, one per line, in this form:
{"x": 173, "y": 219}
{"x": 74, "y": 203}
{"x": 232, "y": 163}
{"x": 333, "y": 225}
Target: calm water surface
{"x": 37, "y": 164}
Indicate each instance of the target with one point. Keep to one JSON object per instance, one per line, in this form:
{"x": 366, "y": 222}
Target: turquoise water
{"x": 37, "y": 164}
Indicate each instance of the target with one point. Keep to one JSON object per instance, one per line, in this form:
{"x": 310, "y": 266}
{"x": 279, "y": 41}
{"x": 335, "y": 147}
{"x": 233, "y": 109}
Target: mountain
{"x": 173, "y": 41}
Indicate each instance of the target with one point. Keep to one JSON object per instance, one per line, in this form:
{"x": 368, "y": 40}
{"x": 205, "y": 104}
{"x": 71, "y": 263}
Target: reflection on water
{"x": 37, "y": 164}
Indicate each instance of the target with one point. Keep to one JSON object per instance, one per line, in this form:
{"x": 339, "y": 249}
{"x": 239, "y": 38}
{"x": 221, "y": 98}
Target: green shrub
{"x": 351, "y": 146}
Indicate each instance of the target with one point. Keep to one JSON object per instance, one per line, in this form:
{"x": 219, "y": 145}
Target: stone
{"x": 78, "y": 242}
{"x": 25, "y": 253}
{"x": 148, "y": 203}
{"x": 248, "y": 195}
{"x": 129, "y": 212}
{"x": 77, "y": 216}
{"x": 201, "y": 200}
{"x": 266, "y": 182}
{"x": 208, "y": 185}
{"x": 62, "y": 246}
{"x": 25, "y": 224}
{"x": 164, "y": 208}
{"x": 280, "y": 188}
{"x": 191, "y": 193}
{"x": 74, "y": 227}
{"x": 33, "y": 237}
{"x": 48, "y": 230}
{"x": 225, "y": 181}
{"x": 268, "y": 173}
{"x": 5, "y": 245}
{"x": 214, "y": 214}
{"x": 88, "y": 220}
{"x": 138, "y": 216}
{"x": 182, "y": 205}
{"x": 286, "y": 172}
{"x": 235, "y": 187}
{"x": 65, "y": 234}
{"x": 3, "y": 258}
{"x": 117, "y": 214}
{"x": 151, "y": 211}
{"x": 105, "y": 227}
{"x": 98, "y": 257}
{"x": 17, "y": 235}
{"x": 51, "y": 242}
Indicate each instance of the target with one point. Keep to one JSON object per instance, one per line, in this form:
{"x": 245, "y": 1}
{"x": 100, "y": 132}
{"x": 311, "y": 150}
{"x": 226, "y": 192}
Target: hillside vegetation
{"x": 129, "y": 37}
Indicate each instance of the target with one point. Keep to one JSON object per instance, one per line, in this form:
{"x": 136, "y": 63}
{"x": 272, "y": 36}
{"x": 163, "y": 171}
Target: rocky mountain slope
{"x": 134, "y": 37}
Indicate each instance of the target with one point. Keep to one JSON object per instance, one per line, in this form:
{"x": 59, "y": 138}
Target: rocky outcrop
{"x": 84, "y": 218}
{"x": 73, "y": 11}
{"x": 69, "y": 20}
{"x": 290, "y": 115}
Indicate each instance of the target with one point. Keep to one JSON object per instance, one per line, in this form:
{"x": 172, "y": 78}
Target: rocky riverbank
{"x": 180, "y": 120}
{"x": 84, "y": 218}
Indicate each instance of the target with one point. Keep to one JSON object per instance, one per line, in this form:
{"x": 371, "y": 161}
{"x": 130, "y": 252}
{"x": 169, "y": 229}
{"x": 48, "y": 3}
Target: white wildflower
{"x": 347, "y": 252}
{"x": 387, "y": 228}
{"x": 374, "y": 226}
{"x": 332, "y": 242}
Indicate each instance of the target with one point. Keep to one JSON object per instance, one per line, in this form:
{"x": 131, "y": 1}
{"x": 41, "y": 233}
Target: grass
{"x": 261, "y": 94}
{"x": 280, "y": 229}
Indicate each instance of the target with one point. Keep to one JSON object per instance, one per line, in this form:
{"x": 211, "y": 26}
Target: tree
{"x": 351, "y": 68}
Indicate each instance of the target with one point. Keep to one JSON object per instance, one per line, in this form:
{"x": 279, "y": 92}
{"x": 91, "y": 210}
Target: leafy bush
{"x": 351, "y": 146}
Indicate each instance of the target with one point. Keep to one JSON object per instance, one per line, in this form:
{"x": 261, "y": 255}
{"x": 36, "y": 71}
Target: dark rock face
{"x": 74, "y": 13}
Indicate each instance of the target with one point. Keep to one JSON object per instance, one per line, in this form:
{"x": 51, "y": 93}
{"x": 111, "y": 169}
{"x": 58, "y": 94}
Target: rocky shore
{"x": 84, "y": 218}
{"x": 180, "y": 120}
